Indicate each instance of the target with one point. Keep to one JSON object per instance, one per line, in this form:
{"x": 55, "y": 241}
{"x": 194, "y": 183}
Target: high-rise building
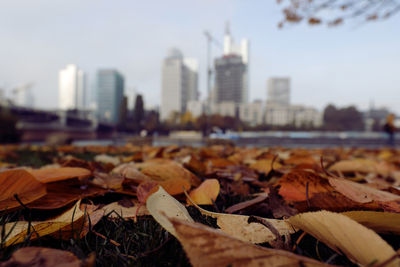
{"x": 242, "y": 51}
{"x": 278, "y": 91}
{"x": 110, "y": 90}
{"x": 72, "y": 91}
{"x": 179, "y": 83}
{"x": 230, "y": 79}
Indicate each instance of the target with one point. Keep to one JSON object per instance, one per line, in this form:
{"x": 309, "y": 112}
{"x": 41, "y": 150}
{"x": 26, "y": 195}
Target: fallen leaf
{"x": 161, "y": 205}
{"x": 265, "y": 165}
{"x": 162, "y": 171}
{"x": 107, "y": 181}
{"x": 359, "y": 192}
{"x": 381, "y": 222}
{"x": 341, "y": 233}
{"x": 238, "y": 227}
{"x": 42, "y": 257}
{"x": 49, "y": 175}
{"x": 60, "y": 194}
{"x": 293, "y": 185}
{"x": 361, "y": 165}
{"x": 205, "y": 246}
{"x": 206, "y": 193}
{"x": 246, "y": 204}
{"x": 17, "y": 231}
{"x": 107, "y": 159}
{"x": 21, "y": 183}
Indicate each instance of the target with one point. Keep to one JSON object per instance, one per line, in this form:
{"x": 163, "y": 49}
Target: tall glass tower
{"x": 110, "y": 90}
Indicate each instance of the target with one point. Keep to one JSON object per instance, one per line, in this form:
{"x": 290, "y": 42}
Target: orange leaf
{"x": 22, "y": 183}
{"x": 294, "y": 185}
{"x": 59, "y": 174}
{"x": 175, "y": 186}
{"x": 206, "y": 193}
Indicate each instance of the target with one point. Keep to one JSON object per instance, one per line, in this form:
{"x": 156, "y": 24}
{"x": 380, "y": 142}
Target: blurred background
{"x": 288, "y": 72}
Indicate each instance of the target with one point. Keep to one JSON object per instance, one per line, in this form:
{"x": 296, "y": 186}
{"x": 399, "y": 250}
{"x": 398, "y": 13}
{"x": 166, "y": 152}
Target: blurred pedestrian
{"x": 390, "y": 129}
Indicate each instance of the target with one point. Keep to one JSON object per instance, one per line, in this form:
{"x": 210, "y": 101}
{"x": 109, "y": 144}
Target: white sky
{"x": 344, "y": 65}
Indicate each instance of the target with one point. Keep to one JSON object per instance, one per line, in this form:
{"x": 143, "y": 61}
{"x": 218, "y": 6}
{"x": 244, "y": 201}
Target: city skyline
{"x": 323, "y": 64}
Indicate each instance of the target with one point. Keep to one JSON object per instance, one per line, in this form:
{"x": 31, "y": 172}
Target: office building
{"x": 110, "y": 90}
{"x": 72, "y": 91}
{"x": 252, "y": 113}
{"x": 230, "y": 79}
{"x": 179, "y": 83}
{"x": 241, "y": 50}
{"x": 278, "y": 91}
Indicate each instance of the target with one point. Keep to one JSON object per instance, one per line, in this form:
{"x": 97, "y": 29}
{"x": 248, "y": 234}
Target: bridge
{"x": 39, "y": 125}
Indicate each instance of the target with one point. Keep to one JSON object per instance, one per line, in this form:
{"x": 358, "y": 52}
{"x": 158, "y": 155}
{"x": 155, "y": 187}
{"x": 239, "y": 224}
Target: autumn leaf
{"x": 43, "y": 257}
{"x": 163, "y": 206}
{"x": 18, "y": 231}
{"x": 206, "y": 193}
{"x": 19, "y": 183}
{"x": 361, "y": 193}
{"x": 49, "y": 175}
{"x": 343, "y": 234}
{"x": 205, "y": 246}
{"x": 238, "y": 226}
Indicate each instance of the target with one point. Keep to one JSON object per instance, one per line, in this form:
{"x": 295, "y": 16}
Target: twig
{"x": 115, "y": 243}
{"x": 298, "y": 241}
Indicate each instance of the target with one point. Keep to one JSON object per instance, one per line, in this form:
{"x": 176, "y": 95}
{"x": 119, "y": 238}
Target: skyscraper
{"x": 72, "y": 91}
{"x": 110, "y": 90}
{"x": 242, "y": 50}
{"x": 278, "y": 91}
{"x": 179, "y": 83}
{"x": 229, "y": 79}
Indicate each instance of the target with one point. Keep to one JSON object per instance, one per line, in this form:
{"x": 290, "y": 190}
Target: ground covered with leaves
{"x": 208, "y": 206}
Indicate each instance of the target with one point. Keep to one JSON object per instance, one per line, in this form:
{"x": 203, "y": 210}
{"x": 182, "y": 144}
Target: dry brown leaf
{"x": 361, "y": 166}
{"x": 21, "y": 183}
{"x": 60, "y": 194}
{"x": 205, "y": 246}
{"x": 130, "y": 172}
{"x": 359, "y": 192}
{"x": 238, "y": 227}
{"x": 339, "y": 232}
{"x": 293, "y": 185}
{"x": 161, "y": 205}
{"x": 165, "y": 170}
{"x": 381, "y": 222}
{"x": 49, "y": 175}
{"x": 42, "y": 257}
{"x": 265, "y": 165}
{"x": 107, "y": 181}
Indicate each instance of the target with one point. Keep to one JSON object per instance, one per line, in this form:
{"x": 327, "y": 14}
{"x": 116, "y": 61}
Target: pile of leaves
{"x": 207, "y": 206}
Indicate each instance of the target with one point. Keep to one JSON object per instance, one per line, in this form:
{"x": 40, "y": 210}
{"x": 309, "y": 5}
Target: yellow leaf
{"x": 381, "y": 222}
{"x": 341, "y": 233}
{"x": 18, "y": 231}
{"x": 206, "y": 193}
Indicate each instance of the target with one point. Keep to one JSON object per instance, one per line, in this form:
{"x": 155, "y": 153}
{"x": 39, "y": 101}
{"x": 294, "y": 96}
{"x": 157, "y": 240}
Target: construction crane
{"x": 210, "y": 40}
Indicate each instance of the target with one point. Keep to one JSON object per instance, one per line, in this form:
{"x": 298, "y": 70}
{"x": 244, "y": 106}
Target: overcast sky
{"x": 345, "y": 65}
